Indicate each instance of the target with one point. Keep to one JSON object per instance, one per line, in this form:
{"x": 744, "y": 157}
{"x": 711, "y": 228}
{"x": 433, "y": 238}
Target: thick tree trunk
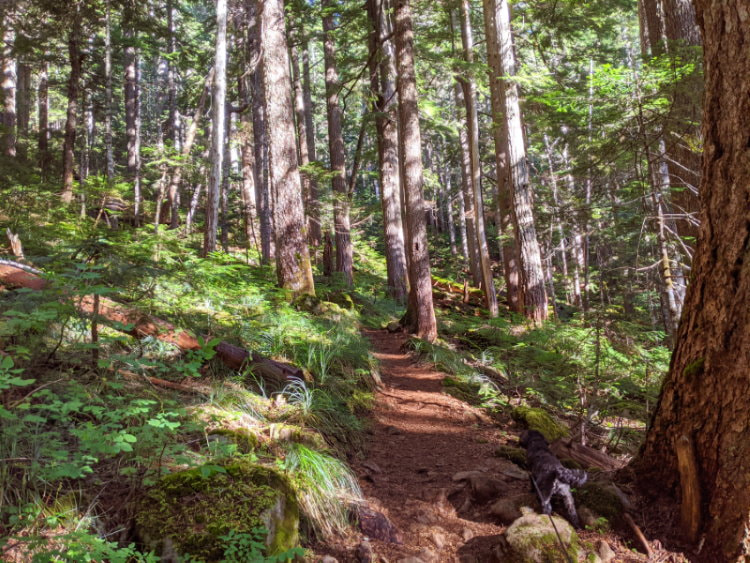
{"x": 316, "y": 234}
{"x": 507, "y": 242}
{"x": 71, "y": 121}
{"x": 420, "y": 313}
{"x": 218, "y": 94}
{"x": 293, "y": 266}
{"x": 472, "y": 119}
{"x": 535, "y": 295}
{"x": 382, "y": 76}
{"x": 341, "y": 195}
{"x": 703, "y": 398}
{"x": 260, "y": 145}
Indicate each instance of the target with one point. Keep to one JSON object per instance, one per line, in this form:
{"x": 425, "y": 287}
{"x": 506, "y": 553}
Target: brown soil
{"x": 419, "y": 438}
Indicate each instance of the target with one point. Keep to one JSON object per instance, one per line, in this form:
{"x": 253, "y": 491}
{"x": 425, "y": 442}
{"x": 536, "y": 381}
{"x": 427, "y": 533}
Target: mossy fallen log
{"x": 138, "y": 324}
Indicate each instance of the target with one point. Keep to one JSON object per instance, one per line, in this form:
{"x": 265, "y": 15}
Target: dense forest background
{"x": 207, "y": 202}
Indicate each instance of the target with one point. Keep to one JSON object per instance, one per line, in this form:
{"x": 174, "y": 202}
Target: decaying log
{"x": 690, "y": 507}
{"x": 587, "y": 457}
{"x": 138, "y": 324}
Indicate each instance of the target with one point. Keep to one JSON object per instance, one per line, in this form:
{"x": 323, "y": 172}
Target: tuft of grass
{"x": 326, "y": 488}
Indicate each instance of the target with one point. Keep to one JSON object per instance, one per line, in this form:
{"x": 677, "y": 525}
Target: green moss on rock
{"x": 533, "y": 539}
{"x": 187, "y": 513}
{"x": 342, "y": 299}
{"x": 245, "y": 440}
{"x": 516, "y": 455}
{"x": 541, "y": 421}
{"x": 601, "y": 498}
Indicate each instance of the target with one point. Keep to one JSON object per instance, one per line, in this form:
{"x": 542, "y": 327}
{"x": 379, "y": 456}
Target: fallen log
{"x": 138, "y": 324}
{"x": 587, "y": 457}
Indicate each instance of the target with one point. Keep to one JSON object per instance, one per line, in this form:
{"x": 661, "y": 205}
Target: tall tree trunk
{"x": 507, "y": 239}
{"x": 71, "y": 121}
{"x": 382, "y": 76}
{"x": 341, "y": 195}
{"x": 109, "y": 156}
{"x": 702, "y": 403}
{"x": 315, "y": 235}
{"x": 535, "y": 295}
{"x": 468, "y": 191}
{"x": 132, "y": 118}
{"x": 218, "y": 95}
{"x": 173, "y": 125}
{"x": 420, "y": 313}
{"x": 260, "y": 145}
{"x": 8, "y": 58}
{"x": 247, "y": 163}
{"x": 472, "y": 120}
{"x": 292, "y": 256}
{"x": 23, "y": 104}
{"x": 462, "y": 227}
{"x": 43, "y": 119}
{"x": 306, "y": 143}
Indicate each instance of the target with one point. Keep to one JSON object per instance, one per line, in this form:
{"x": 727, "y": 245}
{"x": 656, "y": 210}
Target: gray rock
{"x": 329, "y": 559}
{"x": 532, "y": 539}
{"x": 438, "y": 539}
{"x": 604, "y": 551}
{"x": 365, "y": 553}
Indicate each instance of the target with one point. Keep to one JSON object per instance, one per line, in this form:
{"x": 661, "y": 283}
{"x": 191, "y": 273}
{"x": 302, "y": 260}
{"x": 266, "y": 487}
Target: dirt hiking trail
{"x": 419, "y": 439}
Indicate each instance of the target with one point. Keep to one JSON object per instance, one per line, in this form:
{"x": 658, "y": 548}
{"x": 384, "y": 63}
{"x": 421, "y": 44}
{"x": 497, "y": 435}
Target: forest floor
{"x": 419, "y": 441}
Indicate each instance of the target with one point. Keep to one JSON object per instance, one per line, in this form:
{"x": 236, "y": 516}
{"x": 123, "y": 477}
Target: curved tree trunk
{"x": 703, "y": 400}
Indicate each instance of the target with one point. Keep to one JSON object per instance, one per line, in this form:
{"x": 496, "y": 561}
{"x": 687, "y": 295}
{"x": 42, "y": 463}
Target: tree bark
{"x": 316, "y": 233}
{"x": 382, "y": 76}
{"x": 108, "y": 151}
{"x": 420, "y": 313}
{"x": 507, "y": 240}
{"x": 43, "y": 119}
{"x": 472, "y": 120}
{"x": 468, "y": 219}
{"x": 132, "y": 118}
{"x": 71, "y": 121}
{"x": 341, "y": 195}
{"x": 534, "y": 293}
{"x": 293, "y": 266}
{"x": 8, "y": 59}
{"x": 23, "y": 105}
{"x": 260, "y": 145}
{"x": 218, "y": 95}
{"x": 703, "y": 396}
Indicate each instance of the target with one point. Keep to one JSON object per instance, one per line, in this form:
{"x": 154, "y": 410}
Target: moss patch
{"x": 516, "y": 455}
{"x": 533, "y": 539}
{"x": 601, "y": 499}
{"x": 694, "y": 368}
{"x": 186, "y": 513}
{"x": 541, "y": 421}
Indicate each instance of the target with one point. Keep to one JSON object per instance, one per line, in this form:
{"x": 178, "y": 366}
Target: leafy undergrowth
{"x": 602, "y": 374}
{"x": 85, "y": 431}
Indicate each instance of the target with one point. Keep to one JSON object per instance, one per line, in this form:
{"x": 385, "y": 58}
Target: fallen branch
{"x": 162, "y": 382}
{"x": 138, "y": 324}
{"x": 638, "y": 534}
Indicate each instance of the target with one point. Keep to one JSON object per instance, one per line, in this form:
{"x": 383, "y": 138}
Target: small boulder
{"x": 605, "y": 552}
{"x": 602, "y": 498}
{"x": 508, "y": 509}
{"x": 187, "y": 512}
{"x": 541, "y": 421}
{"x": 532, "y": 539}
{"x": 393, "y": 327}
